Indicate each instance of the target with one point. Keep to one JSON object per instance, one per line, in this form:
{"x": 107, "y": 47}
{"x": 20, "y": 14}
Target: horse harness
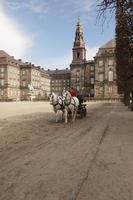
{"x": 70, "y": 102}
{"x": 58, "y": 103}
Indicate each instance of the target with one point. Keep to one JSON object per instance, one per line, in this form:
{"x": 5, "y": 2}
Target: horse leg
{"x": 72, "y": 111}
{"x": 62, "y": 115}
{"x": 65, "y": 114}
{"x": 57, "y": 114}
{"x": 74, "y": 114}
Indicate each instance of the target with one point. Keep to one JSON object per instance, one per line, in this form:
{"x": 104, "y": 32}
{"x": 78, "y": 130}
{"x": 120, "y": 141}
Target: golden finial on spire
{"x": 78, "y": 23}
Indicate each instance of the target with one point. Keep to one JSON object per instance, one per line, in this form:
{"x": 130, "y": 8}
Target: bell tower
{"x": 79, "y": 51}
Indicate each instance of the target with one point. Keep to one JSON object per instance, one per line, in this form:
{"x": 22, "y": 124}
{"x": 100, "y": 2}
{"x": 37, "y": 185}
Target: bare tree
{"x": 124, "y": 41}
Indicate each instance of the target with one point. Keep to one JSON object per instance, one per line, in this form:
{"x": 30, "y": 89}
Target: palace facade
{"x": 105, "y": 72}
{"x": 60, "y": 80}
{"x": 15, "y": 76}
{"x": 96, "y": 78}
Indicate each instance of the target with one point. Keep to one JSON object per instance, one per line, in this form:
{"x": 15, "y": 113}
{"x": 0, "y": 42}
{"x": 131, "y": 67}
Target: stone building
{"x": 105, "y": 72}
{"x": 15, "y": 76}
{"x": 9, "y": 77}
{"x": 60, "y": 80}
{"x": 82, "y": 71}
{"x": 36, "y": 77}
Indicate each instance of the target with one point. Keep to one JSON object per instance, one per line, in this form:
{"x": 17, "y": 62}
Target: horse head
{"x": 66, "y": 96}
{"x": 53, "y": 98}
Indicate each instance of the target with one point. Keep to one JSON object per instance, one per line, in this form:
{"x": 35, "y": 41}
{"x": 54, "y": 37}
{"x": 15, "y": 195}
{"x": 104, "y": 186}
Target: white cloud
{"x": 12, "y": 40}
{"x": 91, "y": 52}
{"x": 37, "y": 6}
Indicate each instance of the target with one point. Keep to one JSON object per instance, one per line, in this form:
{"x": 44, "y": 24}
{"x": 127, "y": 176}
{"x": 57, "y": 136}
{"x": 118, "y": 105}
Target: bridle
{"x": 55, "y": 103}
{"x": 70, "y": 101}
{"x": 66, "y": 99}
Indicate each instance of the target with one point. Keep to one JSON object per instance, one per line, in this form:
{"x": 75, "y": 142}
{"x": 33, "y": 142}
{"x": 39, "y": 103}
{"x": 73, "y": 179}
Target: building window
{"x": 100, "y": 62}
{"x": 2, "y": 69}
{"x": 92, "y": 68}
{"x": 24, "y": 84}
{"x": 92, "y": 91}
{"x": 78, "y": 55}
{"x": 2, "y": 92}
{"x": 78, "y": 80}
{"x": 101, "y": 90}
{"x": 110, "y": 89}
{"x": 23, "y": 72}
{"x": 2, "y": 82}
{"x": 78, "y": 74}
{"x": 77, "y": 88}
{"x": 92, "y": 80}
{"x": 110, "y": 62}
{"x": 23, "y": 93}
{"x": 101, "y": 77}
{"x": 110, "y": 76}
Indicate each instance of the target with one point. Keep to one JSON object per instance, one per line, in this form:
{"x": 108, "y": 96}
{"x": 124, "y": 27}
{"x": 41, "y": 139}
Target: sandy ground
{"x": 44, "y": 160}
{"x": 8, "y": 109}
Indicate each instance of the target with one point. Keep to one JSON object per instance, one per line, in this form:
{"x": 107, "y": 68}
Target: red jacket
{"x": 73, "y": 93}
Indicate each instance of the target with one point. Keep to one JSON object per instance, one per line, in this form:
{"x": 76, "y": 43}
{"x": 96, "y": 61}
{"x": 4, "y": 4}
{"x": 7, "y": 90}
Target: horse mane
{"x": 68, "y": 92}
{"x": 54, "y": 94}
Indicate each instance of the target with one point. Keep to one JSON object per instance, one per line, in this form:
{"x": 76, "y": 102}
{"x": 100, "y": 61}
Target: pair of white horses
{"x": 66, "y": 104}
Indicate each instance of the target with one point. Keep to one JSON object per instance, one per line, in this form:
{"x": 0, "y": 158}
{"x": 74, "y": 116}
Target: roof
{"x": 58, "y": 71}
{"x": 7, "y": 58}
{"x": 4, "y": 54}
{"x": 109, "y": 44}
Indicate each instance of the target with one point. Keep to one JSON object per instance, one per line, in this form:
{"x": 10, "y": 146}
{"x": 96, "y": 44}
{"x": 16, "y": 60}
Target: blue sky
{"x": 43, "y": 31}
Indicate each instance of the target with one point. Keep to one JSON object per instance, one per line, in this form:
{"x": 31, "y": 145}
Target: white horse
{"x": 71, "y": 105}
{"x": 57, "y": 103}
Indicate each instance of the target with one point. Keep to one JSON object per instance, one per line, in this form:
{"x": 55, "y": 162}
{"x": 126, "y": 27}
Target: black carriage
{"x": 82, "y": 106}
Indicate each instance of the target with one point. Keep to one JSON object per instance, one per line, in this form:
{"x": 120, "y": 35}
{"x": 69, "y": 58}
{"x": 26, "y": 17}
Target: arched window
{"x": 78, "y": 55}
{"x": 110, "y": 75}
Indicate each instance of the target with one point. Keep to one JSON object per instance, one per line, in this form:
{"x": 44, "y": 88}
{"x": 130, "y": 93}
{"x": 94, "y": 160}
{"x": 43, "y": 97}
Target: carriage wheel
{"x": 81, "y": 114}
